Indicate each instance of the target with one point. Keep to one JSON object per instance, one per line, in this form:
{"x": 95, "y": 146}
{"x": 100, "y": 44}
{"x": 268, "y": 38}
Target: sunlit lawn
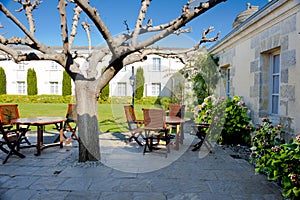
{"x": 111, "y": 116}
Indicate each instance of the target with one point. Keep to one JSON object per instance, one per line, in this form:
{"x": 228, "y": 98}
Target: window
{"x": 21, "y": 87}
{"x": 156, "y": 64}
{"x": 274, "y": 83}
{"x": 53, "y": 87}
{"x": 225, "y": 74}
{"x": 227, "y": 84}
{"x": 53, "y": 66}
{"x": 155, "y": 89}
{"x": 22, "y": 66}
{"x": 122, "y": 89}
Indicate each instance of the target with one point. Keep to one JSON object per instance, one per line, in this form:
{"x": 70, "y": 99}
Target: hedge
{"x": 36, "y": 99}
{"x": 162, "y": 101}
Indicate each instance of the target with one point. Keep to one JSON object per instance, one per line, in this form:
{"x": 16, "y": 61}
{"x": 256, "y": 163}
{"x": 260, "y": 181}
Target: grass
{"x": 111, "y": 117}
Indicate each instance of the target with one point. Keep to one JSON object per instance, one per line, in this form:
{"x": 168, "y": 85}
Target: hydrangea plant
{"x": 280, "y": 162}
{"x": 236, "y": 125}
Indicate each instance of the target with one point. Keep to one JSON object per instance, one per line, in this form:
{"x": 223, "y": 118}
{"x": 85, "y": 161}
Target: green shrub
{"x": 66, "y": 84}
{"x": 31, "y": 82}
{"x": 140, "y": 81}
{"x": 36, "y": 99}
{"x": 120, "y": 100}
{"x": 232, "y": 115}
{"x": 2, "y": 81}
{"x": 280, "y": 162}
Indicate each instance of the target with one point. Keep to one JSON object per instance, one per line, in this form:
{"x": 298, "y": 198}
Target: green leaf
{"x": 297, "y": 155}
{"x": 286, "y": 192}
{"x": 296, "y": 191}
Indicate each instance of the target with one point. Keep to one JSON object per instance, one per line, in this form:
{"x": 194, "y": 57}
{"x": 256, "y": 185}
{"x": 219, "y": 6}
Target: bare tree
{"x": 120, "y": 51}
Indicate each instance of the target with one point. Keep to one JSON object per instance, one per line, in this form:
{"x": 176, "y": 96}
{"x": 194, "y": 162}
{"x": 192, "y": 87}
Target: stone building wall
{"x": 247, "y": 49}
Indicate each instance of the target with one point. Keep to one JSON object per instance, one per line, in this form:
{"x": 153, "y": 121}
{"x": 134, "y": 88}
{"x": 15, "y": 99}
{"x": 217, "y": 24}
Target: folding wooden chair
{"x": 204, "y": 132}
{"x": 176, "y": 110}
{"x": 134, "y": 125}
{"x": 12, "y": 138}
{"x": 70, "y": 125}
{"x": 155, "y": 128}
{"x": 200, "y": 130}
{"x": 9, "y": 112}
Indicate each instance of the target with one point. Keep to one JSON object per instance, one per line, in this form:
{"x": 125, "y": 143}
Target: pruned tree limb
{"x": 37, "y": 45}
{"x": 95, "y": 17}
{"x": 86, "y": 26}
{"x": 76, "y": 17}
{"x": 15, "y": 40}
{"x": 179, "y": 54}
{"x": 139, "y": 21}
{"x": 18, "y": 56}
{"x": 176, "y": 24}
{"x": 126, "y": 26}
{"x": 29, "y": 7}
{"x": 63, "y": 26}
{"x": 179, "y": 31}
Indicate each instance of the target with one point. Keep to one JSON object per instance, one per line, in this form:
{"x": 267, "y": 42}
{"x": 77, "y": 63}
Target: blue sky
{"x": 114, "y": 12}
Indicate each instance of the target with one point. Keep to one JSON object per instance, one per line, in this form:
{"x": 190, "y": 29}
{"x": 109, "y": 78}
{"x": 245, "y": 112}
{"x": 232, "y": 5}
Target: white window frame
{"x": 156, "y": 64}
{"x": 22, "y": 66}
{"x": 274, "y": 89}
{"x": 53, "y": 87}
{"x": 21, "y": 87}
{"x": 122, "y": 89}
{"x": 227, "y": 83}
{"x": 155, "y": 89}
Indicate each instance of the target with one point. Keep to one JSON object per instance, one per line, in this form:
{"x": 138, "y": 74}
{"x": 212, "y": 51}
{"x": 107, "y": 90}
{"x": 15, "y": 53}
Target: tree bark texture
{"x": 87, "y": 121}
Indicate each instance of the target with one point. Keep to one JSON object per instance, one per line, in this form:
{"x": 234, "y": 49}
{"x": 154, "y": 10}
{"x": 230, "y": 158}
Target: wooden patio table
{"x": 40, "y": 122}
{"x": 178, "y": 122}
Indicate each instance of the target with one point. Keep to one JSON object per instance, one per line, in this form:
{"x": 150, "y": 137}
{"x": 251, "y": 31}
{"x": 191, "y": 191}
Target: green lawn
{"x": 111, "y": 116}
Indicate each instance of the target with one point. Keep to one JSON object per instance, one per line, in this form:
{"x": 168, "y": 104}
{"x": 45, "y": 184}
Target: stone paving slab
{"x": 125, "y": 173}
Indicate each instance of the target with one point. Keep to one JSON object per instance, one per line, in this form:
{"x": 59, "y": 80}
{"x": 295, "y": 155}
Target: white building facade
{"x": 157, "y": 73}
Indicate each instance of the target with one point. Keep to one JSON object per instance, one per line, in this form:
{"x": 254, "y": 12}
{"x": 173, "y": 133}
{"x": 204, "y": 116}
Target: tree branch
{"x": 95, "y": 17}
{"x": 180, "y": 54}
{"x": 63, "y": 26}
{"x": 76, "y": 17}
{"x": 15, "y": 40}
{"x": 139, "y": 21}
{"x": 187, "y": 16}
{"x": 37, "y": 45}
{"x": 29, "y": 7}
{"x": 86, "y": 26}
{"x": 18, "y": 56}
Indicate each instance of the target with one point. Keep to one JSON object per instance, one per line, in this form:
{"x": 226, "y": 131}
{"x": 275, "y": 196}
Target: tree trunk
{"x": 88, "y": 131}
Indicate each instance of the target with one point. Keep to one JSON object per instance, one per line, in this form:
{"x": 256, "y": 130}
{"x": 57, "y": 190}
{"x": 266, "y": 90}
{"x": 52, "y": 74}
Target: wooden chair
{"x": 70, "y": 125}
{"x": 176, "y": 110}
{"x": 12, "y": 138}
{"x": 204, "y": 131}
{"x": 155, "y": 129}
{"x": 200, "y": 130}
{"x": 134, "y": 125}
